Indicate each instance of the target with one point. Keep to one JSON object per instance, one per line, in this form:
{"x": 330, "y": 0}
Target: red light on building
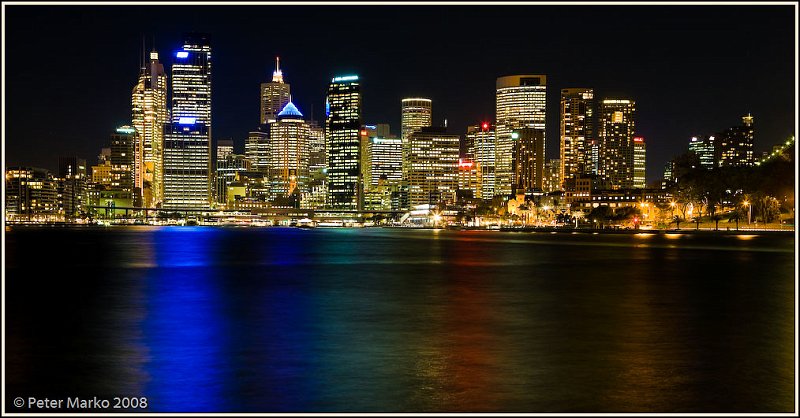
{"x": 638, "y": 139}
{"x": 465, "y": 165}
{"x": 485, "y": 126}
{"x": 363, "y": 132}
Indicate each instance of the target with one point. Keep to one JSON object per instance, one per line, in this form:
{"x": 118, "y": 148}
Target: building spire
{"x": 277, "y": 75}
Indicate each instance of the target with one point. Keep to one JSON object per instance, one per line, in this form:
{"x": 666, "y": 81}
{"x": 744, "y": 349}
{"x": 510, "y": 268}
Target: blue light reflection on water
{"x": 184, "y": 328}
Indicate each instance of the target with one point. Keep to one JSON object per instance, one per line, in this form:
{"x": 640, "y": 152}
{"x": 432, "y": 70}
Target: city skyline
{"x": 666, "y": 125}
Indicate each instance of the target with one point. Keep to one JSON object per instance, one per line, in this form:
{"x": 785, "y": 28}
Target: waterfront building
{"x": 274, "y": 95}
{"x": 433, "y": 166}
{"x": 187, "y": 169}
{"x": 616, "y": 151}
{"x": 289, "y": 153}
{"x": 31, "y": 195}
{"x": 383, "y": 162}
{"x": 639, "y": 162}
{"x": 342, "y": 144}
{"x": 149, "y": 114}
{"x": 224, "y": 148}
{"x": 73, "y": 178}
{"x": 577, "y": 132}
{"x": 528, "y": 159}
{"x": 703, "y": 147}
{"x": 480, "y": 141}
{"x": 187, "y": 139}
{"x": 520, "y": 104}
{"x": 735, "y": 145}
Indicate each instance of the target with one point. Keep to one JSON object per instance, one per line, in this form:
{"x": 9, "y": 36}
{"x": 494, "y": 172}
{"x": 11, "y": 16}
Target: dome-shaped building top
{"x": 290, "y": 112}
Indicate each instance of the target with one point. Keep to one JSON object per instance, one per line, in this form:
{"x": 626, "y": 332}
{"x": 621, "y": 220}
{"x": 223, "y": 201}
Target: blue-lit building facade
{"x": 187, "y": 139}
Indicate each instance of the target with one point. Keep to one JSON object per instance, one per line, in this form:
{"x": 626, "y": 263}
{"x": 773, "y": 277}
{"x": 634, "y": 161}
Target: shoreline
{"x": 549, "y": 230}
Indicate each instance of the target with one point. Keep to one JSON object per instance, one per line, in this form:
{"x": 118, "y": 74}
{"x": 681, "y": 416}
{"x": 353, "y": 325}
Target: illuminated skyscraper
{"x": 274, "y": 95}
{"x": 735, "y": 145}
{"x": 415, "y": 114}
{"x": 639, "y": 163}
{"x": 316, "y": 143}
{"x": 187, "y": 139}
{"x": 617, "y": 128}
{"x": 520, "y": 104}
{"x": 433, "y": 166}
{"x": 150, "y": 113}
{"x": 343, "y": 125}
{"x": 289, "y": 152}
{"x": 577, "y": 132}
{"x": 481, "y": 150}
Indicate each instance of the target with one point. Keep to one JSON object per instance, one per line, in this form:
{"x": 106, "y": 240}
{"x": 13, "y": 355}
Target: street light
{"x": 749, "y": 210}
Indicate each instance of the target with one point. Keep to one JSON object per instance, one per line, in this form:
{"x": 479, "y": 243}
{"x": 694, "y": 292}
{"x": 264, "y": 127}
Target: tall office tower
{"x": 703, "y": 147}
{"x": 289, "y": 152}
{"x": 122, "y": 158}
{"x": 383, "y": 162}
{"x": 520, "y": 105}
{"x": 639, "y": 163}
{"x": 227, "y": 168}
{"x": 256, "y": 148}
{"x": 382, "y": 130}
{"x": 669, "y": 168}
{"x": 577, "y": 132}
{"x": 274, "y": 95}
{"x": 736, "y": 144}
{"x": 150, "y": 113}
{"x": 528, "y": 159}
{"x": 481, "y": 150}
{"x": 316, "y": 144}
{"x": 433, "y": 166}
{"x": 72, "y": 172}
{"x": 617, "y": 128}
{"x": 187, "y": 139}
{"x": 342, "y": 147}
{"x": 415, "y": 114}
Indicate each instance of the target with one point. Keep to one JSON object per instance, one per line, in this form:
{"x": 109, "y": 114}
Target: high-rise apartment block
{"x": 616, "y": 131}
{"x": 149, "y": 114}
{"x": 639, "y": 162}
{"x": 520, "y": 104}
{"x": 343, "y": 134}
{"x": 72, "y": 174}
{"x": 433, "y": 166}
{"x": 274, "y": 95}
{"x": 735, "y": 145}
{"x": 577, "y": 132}
{"x": 187, "y": 139}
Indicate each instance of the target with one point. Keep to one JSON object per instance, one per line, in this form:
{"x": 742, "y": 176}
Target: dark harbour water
{"x": 381, "y": 320}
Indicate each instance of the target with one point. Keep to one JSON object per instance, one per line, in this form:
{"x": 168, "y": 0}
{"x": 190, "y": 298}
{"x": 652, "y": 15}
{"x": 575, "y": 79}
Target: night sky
{"x": 69, "y": 70}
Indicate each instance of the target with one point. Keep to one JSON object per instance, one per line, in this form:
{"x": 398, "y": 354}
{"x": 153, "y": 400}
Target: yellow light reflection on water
{"x": 746, "y": 237}
{"x": 673, "y": 236}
